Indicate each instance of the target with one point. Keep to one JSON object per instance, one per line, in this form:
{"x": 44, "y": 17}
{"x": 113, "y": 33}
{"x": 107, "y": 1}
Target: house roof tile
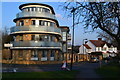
{"x": 88, "y": 47}
{"x": 98, "y": 43}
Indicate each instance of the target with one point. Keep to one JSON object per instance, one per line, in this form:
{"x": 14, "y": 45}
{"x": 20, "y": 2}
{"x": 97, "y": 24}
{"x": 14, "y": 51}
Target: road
{"x": 86, "y": 69}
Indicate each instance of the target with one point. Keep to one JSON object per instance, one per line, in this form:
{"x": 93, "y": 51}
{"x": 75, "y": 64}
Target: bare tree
{"x": 98, "y": 15}
{"x": 6, "y": 37}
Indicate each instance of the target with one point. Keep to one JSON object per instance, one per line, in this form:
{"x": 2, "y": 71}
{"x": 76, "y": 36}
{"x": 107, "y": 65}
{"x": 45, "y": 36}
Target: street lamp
{"x": 83, "y": 50}
{"x": 72, "y": 11}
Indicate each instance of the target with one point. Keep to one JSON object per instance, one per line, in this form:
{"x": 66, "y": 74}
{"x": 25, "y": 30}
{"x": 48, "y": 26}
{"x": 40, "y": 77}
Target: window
{"x": 46, "y": 38}
{"x": 29, "y": 9}
{"x": 42, "y": 23}
{"x": 36, "y": 37}
{"x": 43, "y": 9}
{"x": 44, "y": 53}
{"x": 104, "y": 49}
{"x": 51, "y": 24}
{"x": 33, "y": 37}
{"x": 32, "y": 9}
{"x": 52, "y": 38}
{"x": 21, "y": 23}
{"x": 14, "y": 38}
{"x": 26, "y": 9}
{"x": 46, "y": 10}
{"x": 33, "y": 22}
{"x": 46, "y": 23}
{"x": 52, "y": 53}
{"x": 40, "y": 9}
{"x": 34, "y": 54}
{"x": 41, "y": 37}
{"x": 64, "y": 36}
{"x": 21, "y": 38}
{"x": 20, "y": 54}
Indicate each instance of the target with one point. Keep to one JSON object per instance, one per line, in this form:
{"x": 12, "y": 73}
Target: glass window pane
{"x": 21, "y": 23}
{"x": 33, "y": 37}
{"x": 33, "y": 22}
{"x": 44, "y": 53}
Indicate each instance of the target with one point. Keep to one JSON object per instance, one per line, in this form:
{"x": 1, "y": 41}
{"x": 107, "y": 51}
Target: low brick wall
{"x": 31, "y": 62}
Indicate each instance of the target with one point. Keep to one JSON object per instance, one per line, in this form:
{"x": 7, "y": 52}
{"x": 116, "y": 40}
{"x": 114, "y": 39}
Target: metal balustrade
{"x": 36, "y": 44}
{"x": 36, "y": 28}
{"x": 35, "y": 14}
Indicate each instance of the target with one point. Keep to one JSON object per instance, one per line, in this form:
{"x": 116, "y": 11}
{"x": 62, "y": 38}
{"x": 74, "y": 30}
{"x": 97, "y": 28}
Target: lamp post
{"x": 83, "y": 50}
{"x": 72, "y": 11}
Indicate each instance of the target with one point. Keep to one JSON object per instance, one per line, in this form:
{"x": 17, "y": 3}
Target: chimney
{"x": 100, "y": 39}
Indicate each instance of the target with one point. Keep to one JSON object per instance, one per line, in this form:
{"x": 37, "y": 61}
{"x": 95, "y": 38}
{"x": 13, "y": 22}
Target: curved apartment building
{"x": 38, "y": 38}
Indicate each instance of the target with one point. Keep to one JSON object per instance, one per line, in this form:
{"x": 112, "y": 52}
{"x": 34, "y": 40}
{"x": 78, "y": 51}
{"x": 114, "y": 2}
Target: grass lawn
{"x": 40, "y": 75}
{"x": 110, "y": 71}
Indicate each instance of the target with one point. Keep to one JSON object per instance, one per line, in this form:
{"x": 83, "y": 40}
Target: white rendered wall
{"x": 92, "y": 46}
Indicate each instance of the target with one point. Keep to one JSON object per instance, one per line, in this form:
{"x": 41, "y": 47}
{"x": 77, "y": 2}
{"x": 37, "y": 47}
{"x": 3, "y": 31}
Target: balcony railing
{"x": 36, "y": 44}
{"x": 35, "y": 14}
{"x": 36, "y": 28}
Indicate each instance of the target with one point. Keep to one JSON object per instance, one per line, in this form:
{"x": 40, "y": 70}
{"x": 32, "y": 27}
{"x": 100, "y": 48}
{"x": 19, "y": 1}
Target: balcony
{"x": 35, "y": 29}
{"x": 35, "y": 14}
{"x": 39, "y": 44}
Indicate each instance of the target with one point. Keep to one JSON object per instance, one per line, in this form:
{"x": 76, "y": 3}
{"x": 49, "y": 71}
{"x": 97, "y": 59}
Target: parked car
{"x": 94, "y": 59}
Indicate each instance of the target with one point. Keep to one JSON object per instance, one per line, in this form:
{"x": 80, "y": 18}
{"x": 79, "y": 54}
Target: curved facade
{"x": 37, "y": 35}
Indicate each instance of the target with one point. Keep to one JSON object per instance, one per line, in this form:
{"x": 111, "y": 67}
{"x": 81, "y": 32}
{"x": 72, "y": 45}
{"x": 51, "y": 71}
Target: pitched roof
{"x": 88, "y": 47}
{"x": 98, "y": 43}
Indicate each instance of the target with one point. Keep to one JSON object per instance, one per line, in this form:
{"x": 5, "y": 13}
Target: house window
{"x": 33, "y": 37}
{"x": 64, "y": 36}
{"x": 41, "y": 37}
{"x": 20, "y": 54}
{"x": 33, "y": 22}
{"x": 42, "y": 23}
{"x": 40, "y": 9}
{"x": 52, "y": 24}
{"x": 46, "y": 23}
{"x": 104, "y": 49}
{"x": 21, "y": 38}
{"x": 52, "y": 38}
{"x": 29, "y": 9}
{"x": 46, "y": 38}
{"x": 21, "y": 23}
{"x": 52, "y": 53}
{"x": 34, "y": 54}
{"x": 32, "y": 9}
{"x": 44, "y": 53}
{"x": 36, "y": 37}
{"x": 25, "y": 9}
